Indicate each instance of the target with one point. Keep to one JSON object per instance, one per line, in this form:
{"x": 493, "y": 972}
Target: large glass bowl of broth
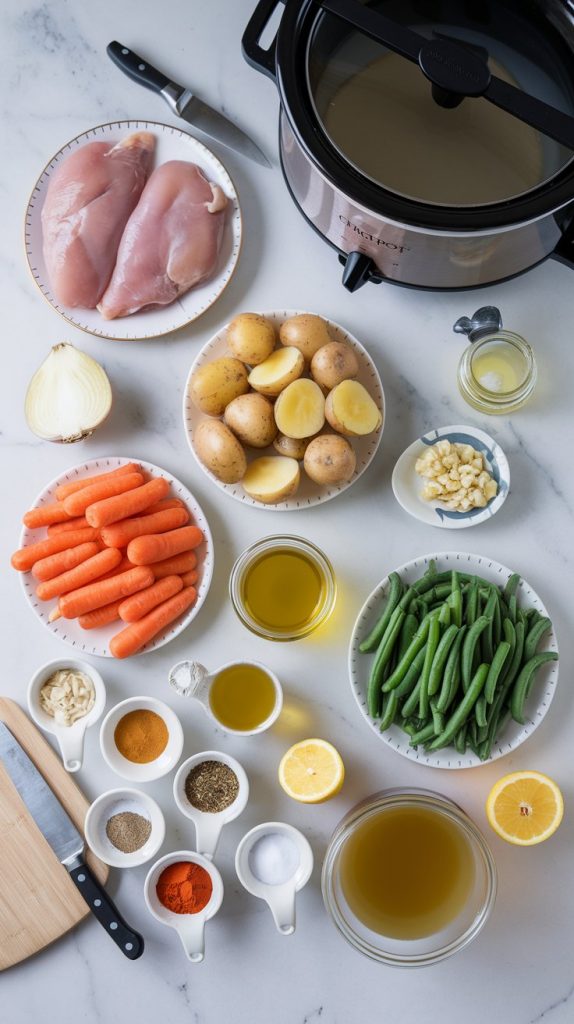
{"x": 408, "y": 878}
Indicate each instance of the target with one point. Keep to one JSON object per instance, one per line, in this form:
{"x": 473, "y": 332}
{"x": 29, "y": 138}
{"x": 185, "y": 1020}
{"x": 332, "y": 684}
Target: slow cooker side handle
{"x": 564, "y": 251}
{"x": 256, "y": 55}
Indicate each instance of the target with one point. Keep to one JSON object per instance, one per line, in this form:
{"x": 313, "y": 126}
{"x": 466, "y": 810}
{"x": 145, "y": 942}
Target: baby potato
{"x": 216, "y": 384}
{"x": 350, "y": 410}
{"x": 307, "y": 332}
{"x": 277, "y": 371}
{"x": 330, "y": 459}
{"x": 271, "y": 478}
{"x": 220, "y": 451}
{"x": 251, "y": 338}
{"x": 292, "y": 447}
{"x": 300, "y": 409}
{"x": 251, "y": 419}
{"x": 334, "y": 363}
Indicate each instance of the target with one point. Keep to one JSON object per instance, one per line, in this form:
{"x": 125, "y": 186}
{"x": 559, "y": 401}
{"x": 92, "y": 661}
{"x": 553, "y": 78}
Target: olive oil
{"x": 283, "y": 590}
{"x": 407, "y": 872}
{"x": 242, "y": 697}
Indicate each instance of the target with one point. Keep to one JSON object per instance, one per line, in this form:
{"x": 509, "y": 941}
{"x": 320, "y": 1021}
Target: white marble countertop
{"x": 57, "y": 82}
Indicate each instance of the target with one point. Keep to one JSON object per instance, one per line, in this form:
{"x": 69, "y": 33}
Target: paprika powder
{"x": 184, "y": 888}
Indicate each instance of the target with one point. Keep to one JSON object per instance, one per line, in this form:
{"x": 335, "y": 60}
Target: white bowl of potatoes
{"x": 284, "y": 409}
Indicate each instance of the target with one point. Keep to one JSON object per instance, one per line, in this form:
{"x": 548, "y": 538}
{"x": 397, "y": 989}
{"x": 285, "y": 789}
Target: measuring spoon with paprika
{"x": 183, "y": 890}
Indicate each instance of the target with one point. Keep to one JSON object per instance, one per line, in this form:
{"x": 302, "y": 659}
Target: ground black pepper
{"x": 211, "y": 786}
{"x": 128, "y": 831}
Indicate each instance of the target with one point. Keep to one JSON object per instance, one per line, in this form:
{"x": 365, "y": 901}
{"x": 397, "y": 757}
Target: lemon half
{"x": 525, "y": 808}
{"x": 311, "y": 771}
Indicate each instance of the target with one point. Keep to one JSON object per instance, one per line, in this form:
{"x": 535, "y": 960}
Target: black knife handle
{"x": 130, "y": 942}
{"x": 136, "y": 67}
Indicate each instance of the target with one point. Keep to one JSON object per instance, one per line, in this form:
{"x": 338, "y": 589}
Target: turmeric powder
{"x": 141, "y": 736}
{"x": 184, "y": 888}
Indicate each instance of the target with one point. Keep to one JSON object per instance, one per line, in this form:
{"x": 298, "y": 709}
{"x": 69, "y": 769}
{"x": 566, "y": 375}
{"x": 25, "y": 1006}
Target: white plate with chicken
{"x": 133, "y": 230}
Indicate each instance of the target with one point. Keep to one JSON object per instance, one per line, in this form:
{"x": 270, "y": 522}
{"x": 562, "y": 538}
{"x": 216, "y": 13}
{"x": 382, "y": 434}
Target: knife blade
{"x": 185, "y": 104}
{"x": 65, "y": 840}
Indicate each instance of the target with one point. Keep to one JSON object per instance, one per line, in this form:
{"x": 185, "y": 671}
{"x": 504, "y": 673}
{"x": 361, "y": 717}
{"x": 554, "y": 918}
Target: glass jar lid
{"x": 381, "y": 113}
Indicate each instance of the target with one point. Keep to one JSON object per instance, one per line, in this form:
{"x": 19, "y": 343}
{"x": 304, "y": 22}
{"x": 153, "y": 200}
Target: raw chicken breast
{"x": 171, "y": 241}
{"x": 87, "y": 205}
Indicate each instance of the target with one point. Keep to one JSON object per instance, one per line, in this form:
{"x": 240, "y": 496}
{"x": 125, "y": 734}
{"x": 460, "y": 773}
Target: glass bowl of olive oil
{"x": 408, "y": 878}
{"x": 283, "y": 588}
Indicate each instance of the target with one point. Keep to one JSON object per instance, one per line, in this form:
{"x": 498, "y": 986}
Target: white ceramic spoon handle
{"x": 191, "y": 679}
{"x": 281, "y": 901}
{"x": 71, "y": 743}
{"x": 207, "y": 831}
{"x": 191, "y": 933}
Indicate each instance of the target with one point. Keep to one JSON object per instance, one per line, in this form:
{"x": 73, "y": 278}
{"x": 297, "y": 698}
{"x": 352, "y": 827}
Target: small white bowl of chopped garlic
{"x": 452, "y": 477}
{"x": 65, "y": 697}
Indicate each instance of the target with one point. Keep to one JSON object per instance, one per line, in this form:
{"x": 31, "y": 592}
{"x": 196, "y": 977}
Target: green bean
{"x": 511, "y": 585}
{"x": 437, "y": 593}
{"x": 487, "y": 634}
{"x": 390, "y": 708}
{"x": 524, "y": 682}
{"x": 513, "y": 667}
{"x": 480, "y": 711}
{"x": 458, "y": 718}
{"x": 383, "y": 655}
{"x": 432, "y": 644}
{"x": 472, "y": 730}
{"x": 417, "y": 642}
{"x": 497, "y": 622}
{"x": 375, "y": 636}
{"x": 412, "y": 700}
{"x": 444, "y": 614}
{"x": 500, "y": 656}
{"x": 404, "y": 688}
{"x": 455, "y": 599}
{"x": 417, "y": 608}
{"x": 422, "y": 735}
{"x": 450, "y": 668}
{"x": 482, "y": 733}
{"x": 409, "y": 628}
{"x": 471, "y": 602}
{"x": 430, "y": 570}
{"x": 510, "y": 638}
{"x": 469, "y": 647}
{"x": 409, "y": 728}
{"x": 534, "y": 636}
{"x": 437, "y": 717}
{"x": 439, "y": 660}
{"x": 460, "y": 740}
{"x": 512, "y": 608}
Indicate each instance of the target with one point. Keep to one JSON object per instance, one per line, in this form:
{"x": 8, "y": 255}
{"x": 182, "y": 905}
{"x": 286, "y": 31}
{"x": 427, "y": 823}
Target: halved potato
{"x": 251, "y": 337}
{"x": 330, "y": 459}
{"x": 292, "y": 447}
{"x": 300, "y": 409}
{"x": 271, "y": 478}
{"x": 219, "y": 450}
{"x": 217, "y": 383}
{"x": 307, "y": 331}
{"x": 350, "y": 410}
{"x": 334, "y": 363}
{"x": 251, "y": 419}
{"x": 277, "y": 371}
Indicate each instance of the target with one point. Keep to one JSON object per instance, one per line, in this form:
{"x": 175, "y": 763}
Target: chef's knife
{"x": 66, "y": 842}
{"x": 183, "y": 103}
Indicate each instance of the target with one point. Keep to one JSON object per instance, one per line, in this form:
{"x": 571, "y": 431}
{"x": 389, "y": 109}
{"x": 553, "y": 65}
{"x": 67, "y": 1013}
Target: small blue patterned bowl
{"x": 408, "y": 485}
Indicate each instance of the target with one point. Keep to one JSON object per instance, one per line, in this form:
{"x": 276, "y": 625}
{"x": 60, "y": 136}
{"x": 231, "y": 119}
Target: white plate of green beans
{"x": 453, "y": 660}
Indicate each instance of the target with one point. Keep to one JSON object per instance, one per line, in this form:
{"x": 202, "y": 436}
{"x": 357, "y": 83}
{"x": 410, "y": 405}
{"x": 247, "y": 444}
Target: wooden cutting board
{"x": 38, "y": 901}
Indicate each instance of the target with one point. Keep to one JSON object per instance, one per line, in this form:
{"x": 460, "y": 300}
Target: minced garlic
{"x": 457, "y": 476}
{"x": 67, "y": 695}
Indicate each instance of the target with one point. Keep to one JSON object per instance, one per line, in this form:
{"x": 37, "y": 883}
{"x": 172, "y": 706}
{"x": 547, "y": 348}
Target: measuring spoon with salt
{"x": 273, "y": 862}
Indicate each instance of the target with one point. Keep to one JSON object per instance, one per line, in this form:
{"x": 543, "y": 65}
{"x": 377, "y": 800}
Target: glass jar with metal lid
{"x": 497, "y": 372}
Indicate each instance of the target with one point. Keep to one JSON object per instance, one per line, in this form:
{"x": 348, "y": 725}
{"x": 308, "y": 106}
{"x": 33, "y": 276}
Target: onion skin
{"x": 70, "y": 388}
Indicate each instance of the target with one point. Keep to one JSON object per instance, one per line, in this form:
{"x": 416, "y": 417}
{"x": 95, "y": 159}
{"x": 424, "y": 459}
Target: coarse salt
{"x": 274, "y": 859}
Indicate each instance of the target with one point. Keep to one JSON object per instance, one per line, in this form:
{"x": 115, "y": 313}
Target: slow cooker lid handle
{"x": 454, "y": 70}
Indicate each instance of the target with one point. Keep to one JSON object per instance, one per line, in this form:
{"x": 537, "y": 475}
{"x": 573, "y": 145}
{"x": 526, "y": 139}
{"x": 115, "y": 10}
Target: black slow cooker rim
{"x": 297, "y": 23}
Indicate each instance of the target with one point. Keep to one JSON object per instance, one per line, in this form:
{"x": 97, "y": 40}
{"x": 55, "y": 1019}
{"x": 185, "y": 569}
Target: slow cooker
{"x": 430, "y": 142}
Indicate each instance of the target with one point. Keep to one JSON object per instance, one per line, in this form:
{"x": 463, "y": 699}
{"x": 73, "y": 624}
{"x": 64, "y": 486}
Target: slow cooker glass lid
{"x": 376, "y": 108}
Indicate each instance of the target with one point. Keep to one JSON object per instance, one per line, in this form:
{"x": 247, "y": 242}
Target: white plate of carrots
{"x": 139, "y": 564}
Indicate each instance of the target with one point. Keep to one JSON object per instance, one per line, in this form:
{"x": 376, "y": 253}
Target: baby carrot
{"x": 157, "y": 547}
{"x": 76, "y": 504}
{"x": 122, "y": 566}
{"x": 81, "y": 574}
{"x": 71, "y": 486}
{"x": 119, "y": 534}
{"x": 178, "y": 565}
{"x": 94, "y": 595}
{"x": 101, "y": 616}
{"x": 138, "y": 634}
{"x": 160, "y": 506}
{"x": 24, "y": 558}
{"x": 189, "y": 579}
{"x": 121, "y": 506}
{"x": 77, "y": 523}
{"x": 53, "y": 565}
{"x": 138, "y": 605}
{"x": 45, "y": 515}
